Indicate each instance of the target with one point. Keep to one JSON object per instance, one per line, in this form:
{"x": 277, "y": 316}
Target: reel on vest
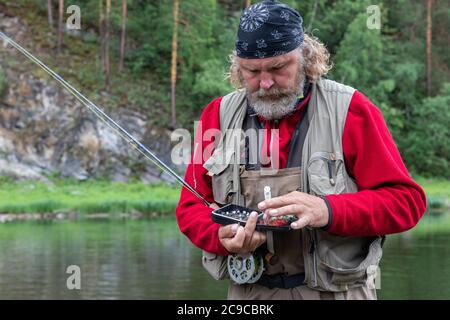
{"x": 245, "y": 269}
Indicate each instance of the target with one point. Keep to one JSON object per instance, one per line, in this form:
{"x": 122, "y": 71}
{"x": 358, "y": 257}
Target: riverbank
{"x": 438, "y": 194}
{"x": 435, "y": 188}
{"x": 70, "y": 198}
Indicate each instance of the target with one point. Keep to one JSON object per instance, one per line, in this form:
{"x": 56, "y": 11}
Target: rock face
{"x": 45, "y": 131}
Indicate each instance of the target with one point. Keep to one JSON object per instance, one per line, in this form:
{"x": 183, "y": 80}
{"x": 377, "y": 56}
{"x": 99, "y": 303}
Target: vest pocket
{"x": 326, "y": 173}
{"x": 220, "y": 165}
{"x": 345, "y": 261}
{"x": 222, "y": 185}
{"x": 215, "y": 265}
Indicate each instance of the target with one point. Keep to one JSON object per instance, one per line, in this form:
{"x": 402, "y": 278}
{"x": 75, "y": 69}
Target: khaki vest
{"x": 330, "y": 262}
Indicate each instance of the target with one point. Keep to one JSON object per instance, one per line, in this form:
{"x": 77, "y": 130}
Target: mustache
{"x": 273, "y": 93}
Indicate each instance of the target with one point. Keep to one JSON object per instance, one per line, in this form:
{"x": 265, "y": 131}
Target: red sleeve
{"x": 194, "y": 217}
{"x": 388, "y": 200}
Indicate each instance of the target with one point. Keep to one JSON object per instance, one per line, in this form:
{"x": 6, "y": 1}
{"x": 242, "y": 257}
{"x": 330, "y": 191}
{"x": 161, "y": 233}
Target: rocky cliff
{"x": 46, "y": 131}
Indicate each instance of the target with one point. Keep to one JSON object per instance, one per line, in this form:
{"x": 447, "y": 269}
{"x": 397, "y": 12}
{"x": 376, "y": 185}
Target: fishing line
{"x": 148, "y": 154}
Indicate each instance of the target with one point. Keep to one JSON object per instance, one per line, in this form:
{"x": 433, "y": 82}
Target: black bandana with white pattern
{"x": 268, "y": 29}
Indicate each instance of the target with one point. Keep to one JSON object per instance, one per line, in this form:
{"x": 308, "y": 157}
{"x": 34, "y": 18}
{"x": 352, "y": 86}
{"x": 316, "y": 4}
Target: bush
{"x": 427, "y": 149}
{"x": 210, "y": 82}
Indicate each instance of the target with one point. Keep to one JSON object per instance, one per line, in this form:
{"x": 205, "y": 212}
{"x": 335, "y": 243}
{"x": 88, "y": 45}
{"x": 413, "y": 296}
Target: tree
{"x": 312, "y": 17}
{"x": 362, "y": 70}
{"x": 60, "y": 25}
{"x": 106, "y": 48}
{"x": 363, "y": 61}
{"x": 429, "y": 46}
{"x": 50, "y": 13}
{"x": 101, "y": 21}
{"x": 331, "y": 18}
{"x": 122, "y": 36}
{"x": 428, "y": 150}
{"x": 174, "y": 61}
{"x": 248, "y": 3}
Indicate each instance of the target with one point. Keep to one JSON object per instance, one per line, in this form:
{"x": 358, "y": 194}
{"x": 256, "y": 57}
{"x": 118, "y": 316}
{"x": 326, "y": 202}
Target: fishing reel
{"x": 245, "y": 268}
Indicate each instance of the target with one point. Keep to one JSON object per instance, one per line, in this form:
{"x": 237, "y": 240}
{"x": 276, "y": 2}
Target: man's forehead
{"x": 268, "y": 62}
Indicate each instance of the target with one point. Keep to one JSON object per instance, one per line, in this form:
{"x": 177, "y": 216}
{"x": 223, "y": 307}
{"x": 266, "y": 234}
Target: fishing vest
{"x": 315, "y": 166}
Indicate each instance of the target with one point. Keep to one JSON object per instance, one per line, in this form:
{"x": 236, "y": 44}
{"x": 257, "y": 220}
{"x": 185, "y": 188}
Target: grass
{"x": 435, "y": 188}
{"x": 99, "y": 196}
{"x": 86, "y": 197}
{"x": 437, "y": 218}
{"x": 438, "y": 192}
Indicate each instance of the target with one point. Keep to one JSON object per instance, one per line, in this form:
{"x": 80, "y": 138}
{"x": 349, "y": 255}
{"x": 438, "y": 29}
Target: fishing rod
{"x": 148, "y": 154}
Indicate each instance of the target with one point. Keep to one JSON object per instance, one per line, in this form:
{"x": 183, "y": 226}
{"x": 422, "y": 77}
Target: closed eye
{"x": 252, "y": 70}
{"x": 275, "y": 68}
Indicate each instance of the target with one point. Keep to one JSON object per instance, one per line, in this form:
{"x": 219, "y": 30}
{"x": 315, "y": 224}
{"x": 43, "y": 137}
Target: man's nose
{"x": 266, "y": 81}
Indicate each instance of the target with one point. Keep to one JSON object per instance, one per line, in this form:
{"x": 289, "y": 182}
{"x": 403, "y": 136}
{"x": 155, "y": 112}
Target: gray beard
{"x": 274, "y": 104}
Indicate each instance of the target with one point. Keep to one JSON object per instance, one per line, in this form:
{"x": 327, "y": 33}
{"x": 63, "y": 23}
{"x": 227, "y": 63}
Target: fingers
{"x": 273, "y": 203}
{"x": 214, "y": 206}
{"x": 277, "y": 202}
{"x": 250, "y": 225}
{"x": 249, "y": 229}
{"x": 258, "y": 239}
{"x": 302, "y": 222}
{"x": 238, "y": 239}
{"x": 249, "y": 245}
{"x": 228, "y": 231}
{"x": 295, "y": 209}
{"x": 240, "y": 244}
{"x": 236, "y": 244}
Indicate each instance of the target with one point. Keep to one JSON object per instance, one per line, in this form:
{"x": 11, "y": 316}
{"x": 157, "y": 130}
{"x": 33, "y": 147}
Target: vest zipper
{"x": 330, "y": 171}
{"x": 312, "y": 252}
{"x": 275, "y": 127}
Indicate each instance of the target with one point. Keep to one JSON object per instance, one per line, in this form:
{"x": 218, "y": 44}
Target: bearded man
{"x": 325, "y": 153}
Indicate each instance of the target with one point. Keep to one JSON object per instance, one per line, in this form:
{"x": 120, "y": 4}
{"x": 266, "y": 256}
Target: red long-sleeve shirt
{"x": 388, "y": 200}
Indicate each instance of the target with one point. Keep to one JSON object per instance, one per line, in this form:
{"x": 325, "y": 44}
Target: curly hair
{"x": 315, "y": 62}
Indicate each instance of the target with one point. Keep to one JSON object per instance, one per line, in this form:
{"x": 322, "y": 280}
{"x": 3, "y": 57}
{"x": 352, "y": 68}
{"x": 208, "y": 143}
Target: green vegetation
{"x": 2, "y": 81}
{"x": 86, "y": 197}
{"x": 438, "y": 194}
{"x": 97, "y": 196}
{"x": 431, "y": 225}
{"x": 428, "y": 139}
{"x": 388, "y": 64}
{"x": 435, "y": 188}
{"x": 437, "y": 217}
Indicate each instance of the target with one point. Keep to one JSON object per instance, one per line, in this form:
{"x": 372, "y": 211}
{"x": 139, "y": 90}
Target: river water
{"x": 151, "y": 259}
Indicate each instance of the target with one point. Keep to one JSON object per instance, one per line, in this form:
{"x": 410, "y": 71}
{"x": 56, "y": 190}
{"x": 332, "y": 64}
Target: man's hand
{"x": 311, "y": 211}
{"x": 214, "y": 206}
{"x": 242, "y": 240}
